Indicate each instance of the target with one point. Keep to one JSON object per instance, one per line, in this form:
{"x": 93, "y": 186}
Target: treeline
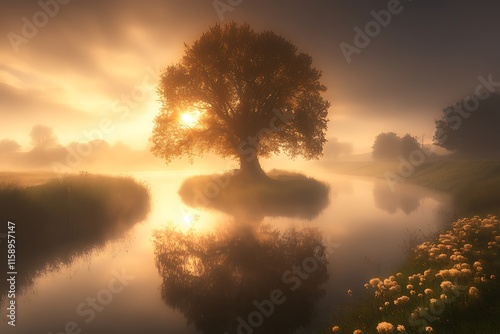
{"x": 469, "y": 129}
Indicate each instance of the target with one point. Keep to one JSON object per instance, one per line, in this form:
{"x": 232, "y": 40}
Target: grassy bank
{"x": 283, "y": 194}
{"x": 61, "y": 219}
{"x": 474, "y": 185}
{"x": 447, "y": 285}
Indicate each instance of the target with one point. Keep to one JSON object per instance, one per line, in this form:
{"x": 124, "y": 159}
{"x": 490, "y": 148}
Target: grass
{"x": 475, "y": 190}
{"x": 61, "y": 219}
{"x": 448, "y": 285}
{"x": 282, "y": 194}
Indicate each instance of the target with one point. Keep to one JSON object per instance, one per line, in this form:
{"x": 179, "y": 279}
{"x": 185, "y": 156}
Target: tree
{"x": 241, "y": 95}
{"x": 471, "y": 132}
{"x": 9, "y": 146}
{"x": 43, "y": 137}
{"x": 387, "y": 146}
{"x": 409, "y": 144}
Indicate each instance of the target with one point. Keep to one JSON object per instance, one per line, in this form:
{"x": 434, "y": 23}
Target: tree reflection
{"x": 217, "y": 280}
{"x": 399, "y": 198}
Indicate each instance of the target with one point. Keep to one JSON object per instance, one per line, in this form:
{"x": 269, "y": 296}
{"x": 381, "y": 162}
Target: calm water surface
{"x": 118, "y": 288}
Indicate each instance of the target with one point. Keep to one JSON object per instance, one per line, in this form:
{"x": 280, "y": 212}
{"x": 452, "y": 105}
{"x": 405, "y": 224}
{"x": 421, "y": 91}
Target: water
{"x": 214, "y": 283}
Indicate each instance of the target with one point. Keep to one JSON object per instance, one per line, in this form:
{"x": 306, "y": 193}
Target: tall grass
{"x": 61, "y": 219}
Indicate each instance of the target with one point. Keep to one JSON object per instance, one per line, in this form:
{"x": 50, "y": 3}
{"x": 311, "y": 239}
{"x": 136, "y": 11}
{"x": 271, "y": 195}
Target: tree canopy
{"x": 389, "y": 146}
{"x": 471, "y": 132}
{"x": 241, "y": 94}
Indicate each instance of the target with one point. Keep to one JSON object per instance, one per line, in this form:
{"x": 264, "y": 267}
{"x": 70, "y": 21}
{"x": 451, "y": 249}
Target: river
{"x": 363, "y": 232}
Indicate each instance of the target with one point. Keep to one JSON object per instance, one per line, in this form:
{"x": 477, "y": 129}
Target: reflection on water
{"x": 242, "y": 277}
{"x": 60, "y": 221}
{"x": 246, "y": 277}
{"x": 285, "y": 194}
{"x": 209, "y": 265}
{"x": 398, "y": 198}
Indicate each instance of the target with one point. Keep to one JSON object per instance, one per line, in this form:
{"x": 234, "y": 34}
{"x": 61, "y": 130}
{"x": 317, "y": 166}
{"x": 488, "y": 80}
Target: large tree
{"x": 471, "y": 129}
{"x": 241, "y": 94}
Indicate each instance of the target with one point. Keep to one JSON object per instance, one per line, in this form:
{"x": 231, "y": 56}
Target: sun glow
{"x": 190, "y": 118}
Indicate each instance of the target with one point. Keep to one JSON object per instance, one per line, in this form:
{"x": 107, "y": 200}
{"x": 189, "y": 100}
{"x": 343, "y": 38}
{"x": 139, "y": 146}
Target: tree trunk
{"x": 250, "y": 169}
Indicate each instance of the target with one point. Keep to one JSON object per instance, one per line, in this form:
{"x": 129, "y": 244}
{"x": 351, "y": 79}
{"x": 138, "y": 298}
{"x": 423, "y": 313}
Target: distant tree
{"x": 243, "y": 95}
{"x": 471, "y": 134}
{"x": 43, "y": 137}
{"x": 9, "y": 146}
{"x": 409, "y": 144}
{"x": 387, "y": 146}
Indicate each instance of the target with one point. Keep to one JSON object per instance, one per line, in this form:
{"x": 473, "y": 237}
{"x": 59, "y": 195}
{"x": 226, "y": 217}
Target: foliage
{"x": 471, "y": 134}
{"x": 389, "y": 146}
{"x": 9, "y": 146}
{"x": 253, "y": 94}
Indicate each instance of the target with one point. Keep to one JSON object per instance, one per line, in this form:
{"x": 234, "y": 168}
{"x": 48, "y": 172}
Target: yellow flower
{"x": 335, "y": 329}
{"x": 401, "y": 328}
{"x": 357, "y": 331}
{"x": 428, "y": 291}
{"x": 374, "y": 282}
{"x": 446, "y": 285}
{"x": 385, "y": 328}
{"x": 474, "y": 292}
{"x": 429, "y": 329}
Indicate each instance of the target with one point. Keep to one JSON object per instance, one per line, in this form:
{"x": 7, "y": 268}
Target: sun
{"x": 190, "y": 118}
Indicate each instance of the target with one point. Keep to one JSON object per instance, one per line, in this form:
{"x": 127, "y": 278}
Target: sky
{"x": 89, "y": 69}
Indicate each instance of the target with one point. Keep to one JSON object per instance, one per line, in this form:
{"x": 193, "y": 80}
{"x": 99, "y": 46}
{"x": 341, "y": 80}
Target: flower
{"x": 349, "y": 292}
{"x": 474, "y": 292}
{"x": 335, "y": 329}
{"x": 429, "y": 329}
{"x": 401, "y": 328}
{"x": 428, "y": 291}
{"x": 446, "y": 285}
{"x": 374, "y": 282}
{"x": 385, "y": 328}
{"x": 357, "y": 331}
